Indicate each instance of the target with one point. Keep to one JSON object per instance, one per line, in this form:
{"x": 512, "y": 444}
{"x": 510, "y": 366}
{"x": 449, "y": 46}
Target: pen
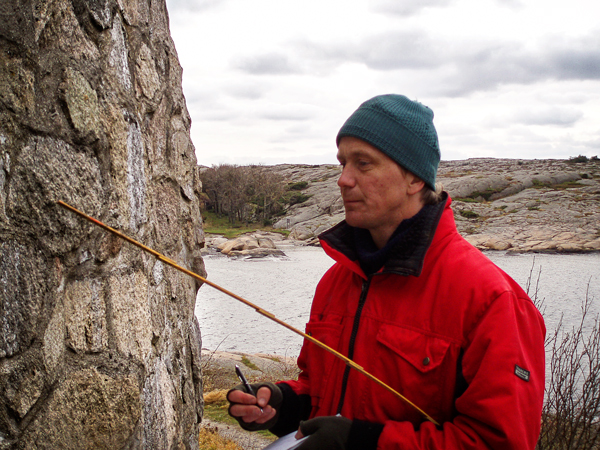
{"x": 242, "y": 378}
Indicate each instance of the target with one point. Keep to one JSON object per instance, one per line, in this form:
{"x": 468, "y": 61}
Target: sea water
{"x": 285, "y": 287}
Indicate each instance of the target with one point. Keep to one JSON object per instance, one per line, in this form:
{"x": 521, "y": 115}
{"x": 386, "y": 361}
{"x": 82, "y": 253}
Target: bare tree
{"x": 268, "y": 189}
{"x": 238, "y": 191}
{"x": 226, "y": 187}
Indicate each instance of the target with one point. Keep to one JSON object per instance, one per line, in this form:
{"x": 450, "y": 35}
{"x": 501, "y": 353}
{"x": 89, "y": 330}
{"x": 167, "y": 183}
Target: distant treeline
{"x": 248, "y": 193}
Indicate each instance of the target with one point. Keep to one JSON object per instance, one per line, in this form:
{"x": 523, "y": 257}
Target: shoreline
{"x": 214, "y": 241}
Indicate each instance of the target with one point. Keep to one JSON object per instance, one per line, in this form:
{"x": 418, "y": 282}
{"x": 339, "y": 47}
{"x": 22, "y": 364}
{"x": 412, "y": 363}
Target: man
{"x": 414, "y": 304}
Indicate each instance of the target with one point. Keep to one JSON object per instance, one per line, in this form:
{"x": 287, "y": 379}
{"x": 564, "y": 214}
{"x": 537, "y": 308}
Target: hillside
{"x": 499, "y": 204}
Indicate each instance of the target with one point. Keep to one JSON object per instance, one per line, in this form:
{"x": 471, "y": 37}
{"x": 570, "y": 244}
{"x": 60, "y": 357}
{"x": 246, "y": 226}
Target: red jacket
{"x": 462, "y": 341}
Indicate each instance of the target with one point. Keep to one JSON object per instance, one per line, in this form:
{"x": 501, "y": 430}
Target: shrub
{"x": 469, "y": 214}
{"x": 298, "y": 186}
{"x": 474, "y": 196}
{"x": 572, "y": 402}
{"x": 578, "y": 159}
{"x": 297, "y": 198}
{"x": 485, "y": 194}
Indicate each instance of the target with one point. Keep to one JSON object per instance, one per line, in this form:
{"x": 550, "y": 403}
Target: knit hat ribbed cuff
{"x": 400, "y": 128}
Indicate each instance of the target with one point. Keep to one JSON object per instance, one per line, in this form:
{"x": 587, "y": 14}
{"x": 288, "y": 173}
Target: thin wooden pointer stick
{"x": 259, "y": 310}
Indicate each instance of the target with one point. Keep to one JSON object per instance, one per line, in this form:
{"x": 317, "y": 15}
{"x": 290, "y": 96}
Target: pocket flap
{"x": 422, "y": 351}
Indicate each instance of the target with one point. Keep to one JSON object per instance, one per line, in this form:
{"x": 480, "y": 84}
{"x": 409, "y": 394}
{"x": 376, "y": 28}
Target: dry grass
{"x": 215, "y": 397}
{"x": 210, "y": 439}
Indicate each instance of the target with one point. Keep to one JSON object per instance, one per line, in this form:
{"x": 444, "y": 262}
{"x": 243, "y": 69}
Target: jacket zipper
{"x": 361, "y": 304}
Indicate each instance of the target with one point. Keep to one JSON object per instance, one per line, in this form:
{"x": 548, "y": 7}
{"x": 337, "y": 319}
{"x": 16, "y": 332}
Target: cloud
{"x": 268, "y": 64}
{"x": 193, "y": 5}
{"x": 511, "y": 63}
{"x": 467, "y": 66}
{"x": 245, "y": 91}
{"x": 399, "y": 51}
{"x": 384, "y": 51}
{"x": 511, "y": 3}
{"x": 556, "y": 116}
{"x": 407, "y": 7}
{"x": 580, "y": 62}
{"x": 287, "y": 114}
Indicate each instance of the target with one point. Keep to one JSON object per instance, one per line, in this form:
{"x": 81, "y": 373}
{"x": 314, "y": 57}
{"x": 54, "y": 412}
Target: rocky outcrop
{"x": 323, "y": 209}
{"x": 499, "y": 204}
{"x": 99, "y": 345}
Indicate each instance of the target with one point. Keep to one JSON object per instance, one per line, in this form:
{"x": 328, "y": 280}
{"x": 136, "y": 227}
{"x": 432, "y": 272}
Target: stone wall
{"x": 99, "y": 345}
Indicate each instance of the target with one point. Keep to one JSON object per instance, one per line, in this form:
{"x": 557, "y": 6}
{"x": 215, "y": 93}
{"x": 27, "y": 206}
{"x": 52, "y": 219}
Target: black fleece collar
{"x": 405, "y": 251}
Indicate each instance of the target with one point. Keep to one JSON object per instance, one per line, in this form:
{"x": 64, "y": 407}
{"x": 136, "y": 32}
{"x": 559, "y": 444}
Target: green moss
{"x": 293, "y": 198}
{"x": 538, "y": 184}
{"x": 566, "y": 185}
{"x": 469, "y": 214}
{"x": 474, "y": 196}
{"x": 249, "y": 364}
{"x": 298, "y": 186}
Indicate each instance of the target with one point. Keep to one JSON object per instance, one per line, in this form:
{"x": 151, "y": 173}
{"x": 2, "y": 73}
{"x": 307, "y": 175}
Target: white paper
{"x": 287, "y": 442}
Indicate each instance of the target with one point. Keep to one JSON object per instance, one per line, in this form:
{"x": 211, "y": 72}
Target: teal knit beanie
{"x": 400, "y": 128}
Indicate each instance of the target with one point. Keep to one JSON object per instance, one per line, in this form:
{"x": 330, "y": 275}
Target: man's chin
{"x": 354, "y": 220}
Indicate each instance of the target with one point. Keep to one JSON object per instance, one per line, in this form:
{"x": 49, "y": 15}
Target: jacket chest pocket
{"x": 421, "y": 367}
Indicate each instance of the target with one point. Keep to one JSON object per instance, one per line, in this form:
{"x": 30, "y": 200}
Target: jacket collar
{"x": 407, "y": 255}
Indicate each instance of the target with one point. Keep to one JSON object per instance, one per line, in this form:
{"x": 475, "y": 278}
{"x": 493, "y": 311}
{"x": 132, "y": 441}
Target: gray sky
{"x": 272, "y": 81}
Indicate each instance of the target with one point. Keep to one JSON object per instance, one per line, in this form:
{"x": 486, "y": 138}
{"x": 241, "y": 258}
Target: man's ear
{"x": 415, "y": 184}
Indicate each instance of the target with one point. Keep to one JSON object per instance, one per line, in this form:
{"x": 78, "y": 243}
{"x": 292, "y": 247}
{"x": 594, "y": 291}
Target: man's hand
{"x": 246, "y": 408}
{"x": 325, "y": 433}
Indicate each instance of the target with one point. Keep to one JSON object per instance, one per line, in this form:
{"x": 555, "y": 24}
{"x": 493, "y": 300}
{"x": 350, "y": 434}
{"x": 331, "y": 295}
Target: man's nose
{"x": 346, "y": 179}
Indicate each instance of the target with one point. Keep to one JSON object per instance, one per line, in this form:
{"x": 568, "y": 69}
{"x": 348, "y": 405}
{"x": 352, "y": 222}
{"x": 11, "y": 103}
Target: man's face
{"x": 374, "y": 188}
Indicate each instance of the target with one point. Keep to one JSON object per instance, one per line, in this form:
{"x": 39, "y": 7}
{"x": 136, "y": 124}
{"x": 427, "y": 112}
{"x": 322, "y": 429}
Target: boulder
{"x": 253, "y": 245}
{"x": 238, "y": 244}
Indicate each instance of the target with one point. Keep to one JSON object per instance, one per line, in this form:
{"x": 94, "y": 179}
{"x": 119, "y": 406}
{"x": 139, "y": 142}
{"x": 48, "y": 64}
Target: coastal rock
{"x": 250, "y": 246}
{"x": 240, "y": 243}
{"x": 499, "y": 204}
{"x": 99, "y": 344}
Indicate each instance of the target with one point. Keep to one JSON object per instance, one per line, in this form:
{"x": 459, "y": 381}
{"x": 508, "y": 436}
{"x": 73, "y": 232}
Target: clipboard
{"x": 287, "y": 442}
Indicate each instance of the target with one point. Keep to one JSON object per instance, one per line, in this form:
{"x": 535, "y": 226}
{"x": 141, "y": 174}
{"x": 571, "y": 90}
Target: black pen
{"x": 242, "y": 378}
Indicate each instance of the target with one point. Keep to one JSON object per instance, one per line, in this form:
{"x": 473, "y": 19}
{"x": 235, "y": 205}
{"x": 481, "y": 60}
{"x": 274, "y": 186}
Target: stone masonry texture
{"x": 99, "y": 345}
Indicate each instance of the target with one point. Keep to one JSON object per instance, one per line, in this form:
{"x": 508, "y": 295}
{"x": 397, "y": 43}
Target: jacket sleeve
{"x": 504, "y": 367}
